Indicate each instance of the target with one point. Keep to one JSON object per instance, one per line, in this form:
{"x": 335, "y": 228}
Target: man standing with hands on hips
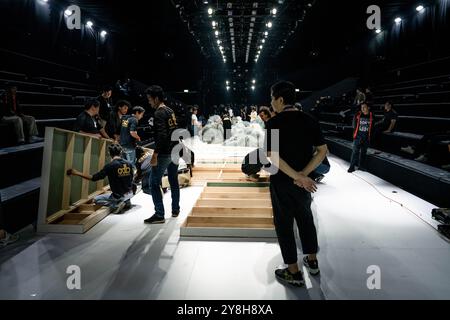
{"x": 298, "y": 135}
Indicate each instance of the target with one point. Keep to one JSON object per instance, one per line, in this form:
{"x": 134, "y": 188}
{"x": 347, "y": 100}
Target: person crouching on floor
{"x": 120, "y": 175}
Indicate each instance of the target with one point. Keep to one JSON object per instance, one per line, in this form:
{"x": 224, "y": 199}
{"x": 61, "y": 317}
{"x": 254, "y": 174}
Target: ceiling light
{"x": 263, "y": 40}
{"x": 266, "y": 33}
{"x": 214, "y": 24}
{"x": 186, "y": 91}
{"x": 261, "y": 47}
{"x": 216, "y": 33}
{"x": 378, "y": 31}
{"x": 103, "y": 33}
{"x": 227, "y": 82}
{"x": 269, "y": 24}
{"x": 420, "y": 8}
{"x": 219, "y": 42}
{"x": 89, "y": 24}
{"x": 297, "y": 90}
{"x": 253, "y": 87}
{"x": 228, "y": 88}
{"x": 398, "y": 20}
{"x": 210, "y": 11}
{"x": 274, "y": 11}
{"x": 253, "y": 81}
{"x": 68, "y": 12}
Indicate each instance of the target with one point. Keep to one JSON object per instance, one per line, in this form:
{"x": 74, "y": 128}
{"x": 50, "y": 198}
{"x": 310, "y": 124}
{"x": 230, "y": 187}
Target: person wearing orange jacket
{"x": 362, "y": 129}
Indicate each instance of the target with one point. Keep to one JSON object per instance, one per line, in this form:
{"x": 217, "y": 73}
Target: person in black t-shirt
{"x": 114, "y": 124}
{"x": 120, "y": 175}
{"x": 87, "y": 122}
{"x": 298, "y": 134}
{"x": 362, "y": 125}
{"x": 128, "y": 133}
{"x": 387, "y": 124}
{"x": 105, "y": 105}
{"x": 165, "y": 125}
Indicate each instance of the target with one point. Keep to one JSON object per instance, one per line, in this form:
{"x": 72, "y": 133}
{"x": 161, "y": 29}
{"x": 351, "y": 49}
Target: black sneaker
{"x": 319, "y": 178}
{"x": 351, "y": 169}
{"x": 154, "y": 220}
{"x": 295, "y": 279}
{"x": 175, "y": 213}
{"x": 311, "y": 265}
{"x": 128, "y": 205}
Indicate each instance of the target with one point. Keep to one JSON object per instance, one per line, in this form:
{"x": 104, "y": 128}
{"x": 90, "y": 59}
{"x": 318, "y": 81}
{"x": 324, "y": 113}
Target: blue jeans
{"x": 146, "y": 181}
{"x": 322, "y": 169}
{"x": 359, "y": 153}
{"x": 108, "y": 200}
{"x": 130, "y": 155}
{"x": 165, "y": 163}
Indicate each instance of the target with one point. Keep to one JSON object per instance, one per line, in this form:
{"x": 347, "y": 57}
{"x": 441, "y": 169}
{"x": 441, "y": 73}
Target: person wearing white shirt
{"x": 196, "y": 125}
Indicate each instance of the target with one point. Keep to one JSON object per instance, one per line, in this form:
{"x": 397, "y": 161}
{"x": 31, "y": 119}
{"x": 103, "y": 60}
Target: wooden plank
{"x": 86, "y": 165}
{"x": 231, "y": 213}
{"x": 45, "y": 179}
{"x": 240, "y": 190}
{"x": 237, "y": 184}
{"x": 232, "y": 203}
{"x": 92, "y": 220}
{"x": 235, "y": 195}
{"x": 68, "y": 164}
{"x": 229, "y": 221}
{"x": 263, "y": 234}
{"x": 234, "y": 211}
{"x": 101, "y": 162}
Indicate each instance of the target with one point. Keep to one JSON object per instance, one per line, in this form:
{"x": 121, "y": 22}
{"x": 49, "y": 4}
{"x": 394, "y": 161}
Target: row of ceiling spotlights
{"x": 398, "y": 20}
{"x": 216, "y": 32}
{"x": 89, "y": 23}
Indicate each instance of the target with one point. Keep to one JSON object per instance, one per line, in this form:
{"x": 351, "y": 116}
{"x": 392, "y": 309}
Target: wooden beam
{"x": 232, "y": 203}
{"x": 237, "y": 211}
{"x": 86, "y": 166}
{"x": 101, "y": 162}
{"x": 67, "y": 165}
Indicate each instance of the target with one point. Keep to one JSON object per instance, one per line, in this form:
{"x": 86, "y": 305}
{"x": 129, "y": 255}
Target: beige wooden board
{"x": 232, "y": 203}
{"x": 235, "y": 196}
{"x": 234, "y": 211}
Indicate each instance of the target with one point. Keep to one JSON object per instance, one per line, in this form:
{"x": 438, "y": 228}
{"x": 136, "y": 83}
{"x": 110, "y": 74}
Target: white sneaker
{"x": 408, "y": 149}
{"x": 422, "y": 158}
{"x": 8, "y": 239}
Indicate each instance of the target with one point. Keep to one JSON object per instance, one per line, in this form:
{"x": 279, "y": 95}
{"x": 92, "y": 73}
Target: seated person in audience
{"x": 11, "y": 112}
{"x": 387, "y": 124}
{"x": 120, "y": 176}
{"x": 433, "y": 148}
{"x": 362, "y": 125}
{"x": 5, "y": 237}
{"x": 105, "y": 105}
{"x": 114, "y": 123}
{"x": 87, "y": 122}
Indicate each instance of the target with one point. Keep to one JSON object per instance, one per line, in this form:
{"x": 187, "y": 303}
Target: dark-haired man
{"x": 114, "y": 124}
{"x": 298, "y": 135}
{"x": 105, "y": 105}
{"x": 362, "y": 130}
{"x": 128, "y": 133}
{"x": 264, "y": 114}
{"x": 165, "y": 124}
{"x": 120, "y": 176}
{"x": 87, "y": 122}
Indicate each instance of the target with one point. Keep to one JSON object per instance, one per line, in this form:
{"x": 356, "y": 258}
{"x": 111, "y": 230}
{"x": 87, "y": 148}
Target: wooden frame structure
{"x": 65, "y": 203}
{"x": 230, "y": 205}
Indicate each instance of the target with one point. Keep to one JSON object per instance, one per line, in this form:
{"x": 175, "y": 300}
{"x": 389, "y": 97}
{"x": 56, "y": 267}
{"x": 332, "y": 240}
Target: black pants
{"x": 290, "y": 202}
{"x": 359, "y": 152}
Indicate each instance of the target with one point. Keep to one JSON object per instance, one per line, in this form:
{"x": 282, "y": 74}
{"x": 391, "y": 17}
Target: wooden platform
{"x": 230, "y": 205}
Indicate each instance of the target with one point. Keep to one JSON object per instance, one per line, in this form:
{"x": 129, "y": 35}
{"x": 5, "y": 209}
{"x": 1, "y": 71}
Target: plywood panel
{"x": 232, "y": 203}
{"x": 235, "y": 195}
{"x": 235, "y": 211}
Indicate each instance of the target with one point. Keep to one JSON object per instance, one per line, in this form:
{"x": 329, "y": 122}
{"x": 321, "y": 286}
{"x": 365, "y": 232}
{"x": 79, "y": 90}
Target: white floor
{"x": 360, "y": 223}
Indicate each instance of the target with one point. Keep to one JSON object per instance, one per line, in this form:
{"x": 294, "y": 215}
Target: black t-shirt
{"x": 364, "y": 125}
{"x": 165, "y": 124}
{"x": 105, "y": 107}
{"x": 113, "y": 125}
{"x": 87, "y": 124}
{"x": 120, "y": 176}
{"x": 129, "y": 123}
{"x": 298, "y": 134}
{"x": 388, "y": 117}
